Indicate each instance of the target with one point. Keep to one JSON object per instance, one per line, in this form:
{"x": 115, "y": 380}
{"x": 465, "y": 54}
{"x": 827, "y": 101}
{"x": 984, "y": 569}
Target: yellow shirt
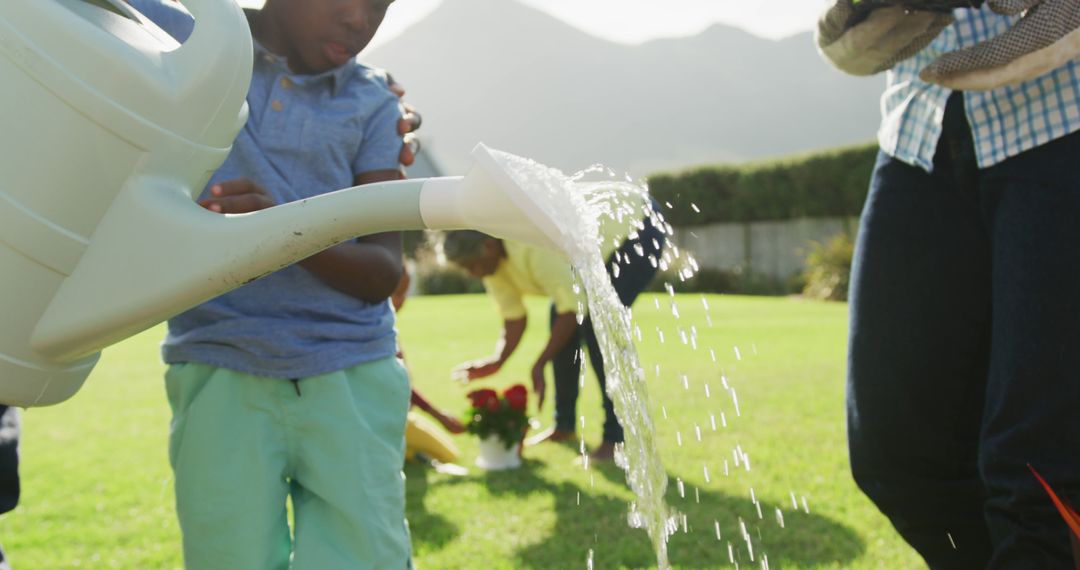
{"x": 532, "y": 270}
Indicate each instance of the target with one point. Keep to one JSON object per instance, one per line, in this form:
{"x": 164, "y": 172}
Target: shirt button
{"x": 287, "y": 83}
{"x": 277, "y": 105}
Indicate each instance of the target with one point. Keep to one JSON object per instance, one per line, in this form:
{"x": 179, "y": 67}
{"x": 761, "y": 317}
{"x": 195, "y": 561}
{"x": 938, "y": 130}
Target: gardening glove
{"x": 886, "y": 36}
{"x": 1044, "y": 38}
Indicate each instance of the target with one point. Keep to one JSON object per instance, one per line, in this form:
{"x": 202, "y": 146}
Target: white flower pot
{"x": 495, "y": 456}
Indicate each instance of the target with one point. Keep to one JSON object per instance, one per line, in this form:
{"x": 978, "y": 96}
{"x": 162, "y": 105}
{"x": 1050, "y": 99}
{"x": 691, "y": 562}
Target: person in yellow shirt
{"x": 511, "y": 270}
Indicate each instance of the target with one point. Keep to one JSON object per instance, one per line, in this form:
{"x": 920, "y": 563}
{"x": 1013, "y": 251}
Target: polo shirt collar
{"x": 336, "y": 76}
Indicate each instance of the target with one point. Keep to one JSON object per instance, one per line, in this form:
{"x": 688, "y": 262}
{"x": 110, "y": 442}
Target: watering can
{"x": 110, "y": 130}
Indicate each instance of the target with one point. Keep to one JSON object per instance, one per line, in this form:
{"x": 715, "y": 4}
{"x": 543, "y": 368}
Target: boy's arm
{"x": 368, "y": 268}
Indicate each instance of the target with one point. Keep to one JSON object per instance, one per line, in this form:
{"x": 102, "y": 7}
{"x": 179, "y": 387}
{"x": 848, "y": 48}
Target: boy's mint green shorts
{"x": 241, "y": 444}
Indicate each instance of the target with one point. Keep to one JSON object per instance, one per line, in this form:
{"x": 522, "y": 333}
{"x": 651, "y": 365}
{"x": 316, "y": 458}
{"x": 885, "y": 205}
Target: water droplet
{"x": 706, "y": 470}
{"x": 753, "y": 498}
{"x": 712, "y": 420}
{"x": 678, "y": 438}
{"x": 716, "y": 525}
{"x": 779, "y": 517}
{"x": 794, "y": 503}
{"x": 697, "y": 432}
{"x": 805, "y": 506}
{"x": 738, "y": 355}
{"x": 694, "y": 207}
{"x": 712, "y": 354}
{"x": 951, "y": 541}
{"x": 589, "y": 560}
{"x": 708, "y": 394}
{"x": 682, "y": 490}
{"x": 685, "y": 381}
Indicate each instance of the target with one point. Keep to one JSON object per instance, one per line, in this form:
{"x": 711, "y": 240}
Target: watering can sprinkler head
{"x": 488, "y": 199}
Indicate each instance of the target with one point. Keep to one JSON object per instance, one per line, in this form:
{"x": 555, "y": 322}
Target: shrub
{"x": 822, "y": 184}
{"x": 444, "y": 280}
{"x": 828, "y": 269}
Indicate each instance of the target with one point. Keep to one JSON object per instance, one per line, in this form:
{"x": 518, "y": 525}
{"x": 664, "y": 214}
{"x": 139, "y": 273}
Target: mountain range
{"x": 517, "y": 79}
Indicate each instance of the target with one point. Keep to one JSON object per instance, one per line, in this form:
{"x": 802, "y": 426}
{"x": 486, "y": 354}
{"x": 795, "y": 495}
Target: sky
{"x": 635, "y": 21}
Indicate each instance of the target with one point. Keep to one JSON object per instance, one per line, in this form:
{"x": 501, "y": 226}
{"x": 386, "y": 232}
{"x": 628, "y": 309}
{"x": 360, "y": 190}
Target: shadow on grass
{"x": 432, "y": 529}
{"x": 588, "y": 521}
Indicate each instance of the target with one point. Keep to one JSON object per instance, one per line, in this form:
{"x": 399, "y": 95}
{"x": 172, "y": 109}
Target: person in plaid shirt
{"x": 964, "y": 354}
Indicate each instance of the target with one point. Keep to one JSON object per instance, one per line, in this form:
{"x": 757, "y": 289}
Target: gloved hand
{"x": 1044, "y": 38}
{"x": 886, "y": 36}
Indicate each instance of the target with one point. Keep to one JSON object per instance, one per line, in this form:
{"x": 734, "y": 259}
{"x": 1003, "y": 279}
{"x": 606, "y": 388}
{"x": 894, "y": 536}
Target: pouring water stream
{"x": 580, "y": 207}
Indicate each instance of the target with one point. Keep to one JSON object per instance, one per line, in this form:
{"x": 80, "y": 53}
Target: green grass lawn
{"x": 97, "y": 490}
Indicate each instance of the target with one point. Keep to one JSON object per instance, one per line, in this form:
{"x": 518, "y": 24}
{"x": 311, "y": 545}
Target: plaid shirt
{"x": 1004, "y": 122}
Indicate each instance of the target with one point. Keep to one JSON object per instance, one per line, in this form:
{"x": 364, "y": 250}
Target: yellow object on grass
{"x": 424, "y": 437}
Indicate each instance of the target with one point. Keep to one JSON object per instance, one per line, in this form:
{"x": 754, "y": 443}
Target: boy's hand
{"x": 407, "y": 126}
{"x": 237, "y": 197}
{"x": 450, "y": 423}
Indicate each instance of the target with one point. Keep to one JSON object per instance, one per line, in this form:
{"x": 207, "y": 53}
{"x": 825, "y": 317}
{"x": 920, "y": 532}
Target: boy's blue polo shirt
{"x": 305, "y": 135}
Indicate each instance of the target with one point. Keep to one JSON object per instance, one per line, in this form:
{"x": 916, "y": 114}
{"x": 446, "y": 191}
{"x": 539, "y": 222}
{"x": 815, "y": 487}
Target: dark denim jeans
{"x": 634, "y": 275}
{"x": 9, "y": 463}
{"x": 964, "y": 360}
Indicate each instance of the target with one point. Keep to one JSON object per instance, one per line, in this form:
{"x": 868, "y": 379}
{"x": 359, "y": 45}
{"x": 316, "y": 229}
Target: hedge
{"x": 822, "y": 184}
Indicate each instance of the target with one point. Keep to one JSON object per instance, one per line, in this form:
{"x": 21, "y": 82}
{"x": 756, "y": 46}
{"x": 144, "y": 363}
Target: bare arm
{"x": 368, "y": 268}
{"x": 562, "y": 330}
{"x": 512, "y": 332}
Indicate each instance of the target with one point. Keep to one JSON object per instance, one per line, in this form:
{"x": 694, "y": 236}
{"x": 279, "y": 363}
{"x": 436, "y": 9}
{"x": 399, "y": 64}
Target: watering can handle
{"x": 219, "y": 49}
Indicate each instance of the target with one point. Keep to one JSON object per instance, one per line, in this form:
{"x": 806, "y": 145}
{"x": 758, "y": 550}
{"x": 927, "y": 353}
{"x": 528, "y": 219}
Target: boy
{"x": 511, "y": 270}
{"x": 288, "y": 386}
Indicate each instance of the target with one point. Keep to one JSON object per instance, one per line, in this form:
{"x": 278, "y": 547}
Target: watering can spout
{"x": 156, "y": 253}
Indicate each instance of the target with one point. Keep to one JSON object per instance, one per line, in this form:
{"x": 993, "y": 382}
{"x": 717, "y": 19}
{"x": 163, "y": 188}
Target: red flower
{"x": 484, "y": 398}
{"x": 517, "y": 396}
{"x": 492, "y": 415}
